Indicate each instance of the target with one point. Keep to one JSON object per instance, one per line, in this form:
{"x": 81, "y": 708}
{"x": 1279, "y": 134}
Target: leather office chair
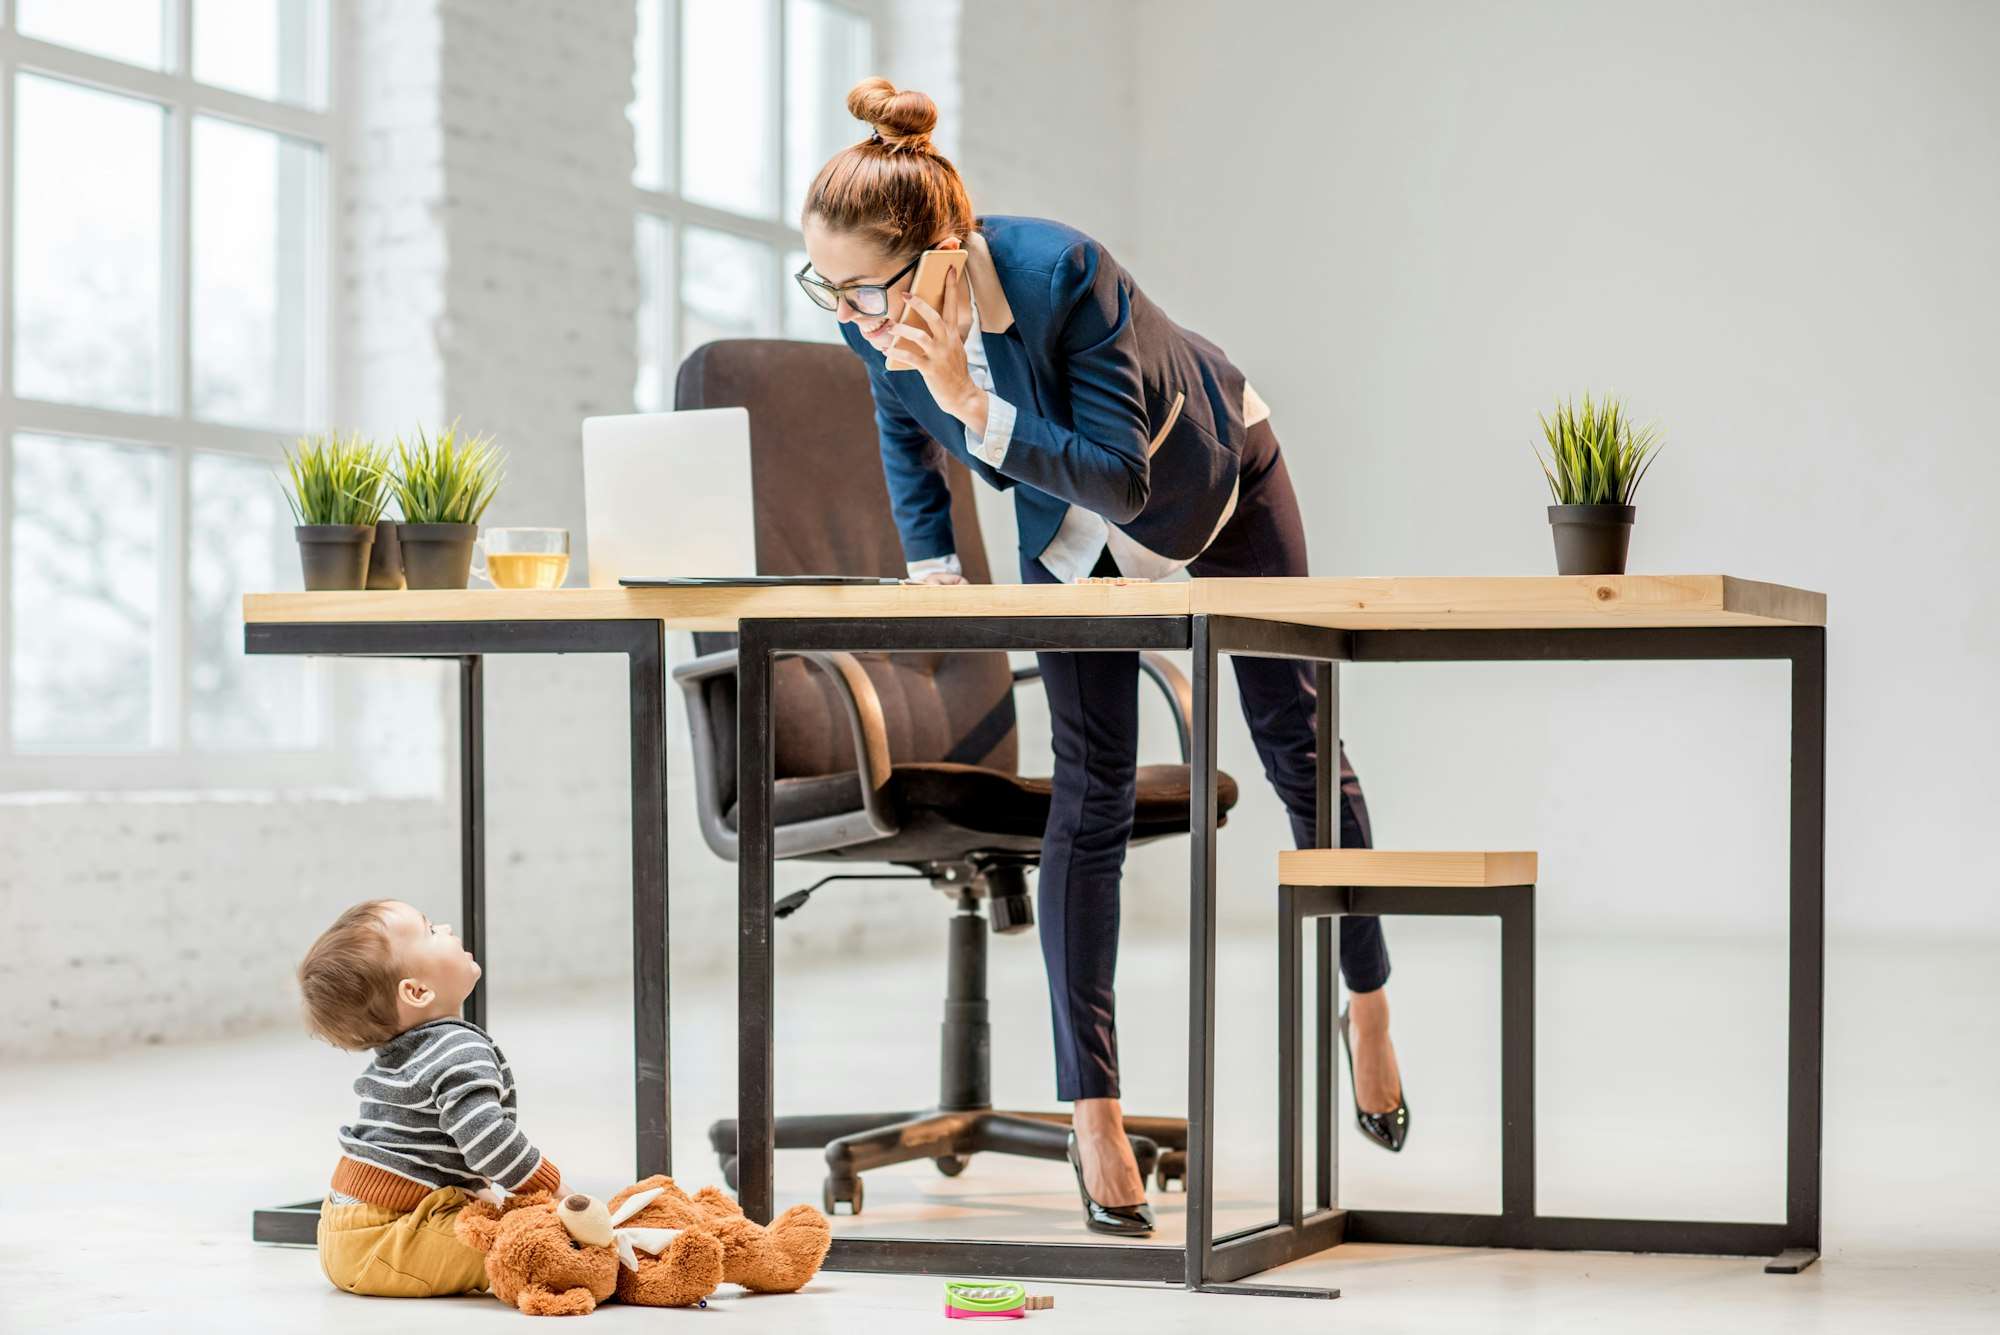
{"x": 952, "y": 807}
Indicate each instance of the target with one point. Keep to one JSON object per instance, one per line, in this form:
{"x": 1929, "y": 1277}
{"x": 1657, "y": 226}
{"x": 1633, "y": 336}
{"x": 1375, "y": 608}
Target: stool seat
{"x": 1317, "y": 885}
{"x": 1384, "y": 867}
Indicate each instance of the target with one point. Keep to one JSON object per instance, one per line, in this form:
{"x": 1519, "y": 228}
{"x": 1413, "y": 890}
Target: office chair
{"x": 953, "y": 809}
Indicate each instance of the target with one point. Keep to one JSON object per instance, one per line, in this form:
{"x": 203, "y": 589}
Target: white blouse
{"x": 1083, "y": 535}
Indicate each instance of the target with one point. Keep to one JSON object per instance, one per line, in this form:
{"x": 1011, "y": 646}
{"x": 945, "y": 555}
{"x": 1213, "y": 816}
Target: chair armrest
{"x": 865, "y": 721}
{"x": 1168, "y": 676}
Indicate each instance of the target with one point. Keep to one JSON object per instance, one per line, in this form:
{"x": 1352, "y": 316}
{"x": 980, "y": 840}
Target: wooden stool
{"x": 1325, "y": 883}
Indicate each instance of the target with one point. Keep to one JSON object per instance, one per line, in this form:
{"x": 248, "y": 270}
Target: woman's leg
{"x": 1266, "y": 537}
{"x": 1094, "y": 717}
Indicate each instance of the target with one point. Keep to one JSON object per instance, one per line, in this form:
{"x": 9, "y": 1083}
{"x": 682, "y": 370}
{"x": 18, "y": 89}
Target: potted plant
{"x": 1596, "y": 460}
{"x": 442, "y": 485}
{"x": 385, "y": 558}
{"x": 338, "y": 488}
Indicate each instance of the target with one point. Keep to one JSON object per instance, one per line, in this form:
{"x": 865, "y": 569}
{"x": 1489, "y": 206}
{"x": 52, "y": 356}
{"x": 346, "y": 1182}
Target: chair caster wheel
{"x": 729, "y": 1171}
{"x": 832, "y": 1193}
{"x": 951, "y": 1165}
{"x": 1172, "y": 1168}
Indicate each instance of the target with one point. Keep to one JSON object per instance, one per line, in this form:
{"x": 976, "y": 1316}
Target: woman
{"x": 1133, "y": 448}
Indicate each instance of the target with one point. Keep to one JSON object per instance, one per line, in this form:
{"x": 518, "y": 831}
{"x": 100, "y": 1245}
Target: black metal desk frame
{"x": 643, "y": 642}
{"x": 1216, "y": 1264}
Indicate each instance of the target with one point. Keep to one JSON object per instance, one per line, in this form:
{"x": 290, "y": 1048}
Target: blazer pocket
{"x": 1173, "y": 416}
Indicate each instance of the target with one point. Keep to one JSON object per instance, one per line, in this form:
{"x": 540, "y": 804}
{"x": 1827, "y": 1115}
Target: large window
{"x": 738, "y": 103}
{"x": 164, "y": 211}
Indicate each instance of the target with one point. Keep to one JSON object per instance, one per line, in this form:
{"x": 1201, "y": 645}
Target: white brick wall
{"x": 487, "y": 270}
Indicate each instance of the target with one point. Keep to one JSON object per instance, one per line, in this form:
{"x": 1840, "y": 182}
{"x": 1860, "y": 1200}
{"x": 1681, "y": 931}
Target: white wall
{"x": 485, "y": 270}
{"x": 1771, "y": 227}
{"x": 1770, "y": 232}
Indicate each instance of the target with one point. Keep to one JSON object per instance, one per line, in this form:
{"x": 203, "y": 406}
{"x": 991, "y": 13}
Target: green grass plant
{"x": 446, "y": 479}
{"x": 336, "y": 479}
{"x": 1596, "y": 456}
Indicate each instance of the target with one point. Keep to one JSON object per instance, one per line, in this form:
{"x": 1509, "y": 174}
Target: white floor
{"x": 128, "y": 1181}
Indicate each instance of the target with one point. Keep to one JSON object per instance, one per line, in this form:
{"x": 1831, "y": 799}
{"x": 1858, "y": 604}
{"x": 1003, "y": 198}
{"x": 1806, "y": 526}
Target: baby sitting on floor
{"x": 437, "y": 1105}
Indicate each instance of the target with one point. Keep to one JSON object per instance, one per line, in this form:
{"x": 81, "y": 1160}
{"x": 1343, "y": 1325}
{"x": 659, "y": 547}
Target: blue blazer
{"x": 1118, "y": 409}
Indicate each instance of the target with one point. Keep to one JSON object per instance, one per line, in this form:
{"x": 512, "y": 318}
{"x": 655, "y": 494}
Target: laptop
{"x": 668, "y": 494}
{"x": 667, "y": 502}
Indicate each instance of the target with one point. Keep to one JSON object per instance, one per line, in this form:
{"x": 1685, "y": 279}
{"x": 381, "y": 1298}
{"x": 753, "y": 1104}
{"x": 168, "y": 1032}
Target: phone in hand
{"x": 928, "y": 286}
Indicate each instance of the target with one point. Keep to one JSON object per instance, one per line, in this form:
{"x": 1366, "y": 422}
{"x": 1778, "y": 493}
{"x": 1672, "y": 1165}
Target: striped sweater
{"x": 437, "y": 1110}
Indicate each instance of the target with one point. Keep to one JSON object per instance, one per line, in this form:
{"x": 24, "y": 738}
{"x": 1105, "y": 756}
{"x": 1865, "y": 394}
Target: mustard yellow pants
{"x": 387, "y": 1254}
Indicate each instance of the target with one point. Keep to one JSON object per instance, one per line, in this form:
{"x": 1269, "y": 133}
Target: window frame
{"x": 172, "y": 761}
{"x": 666, "y": 204}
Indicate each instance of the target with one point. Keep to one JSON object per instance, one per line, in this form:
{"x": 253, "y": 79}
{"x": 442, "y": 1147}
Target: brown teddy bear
{"x": 775, "y": 1259}
{"x": 563, "y": 1258}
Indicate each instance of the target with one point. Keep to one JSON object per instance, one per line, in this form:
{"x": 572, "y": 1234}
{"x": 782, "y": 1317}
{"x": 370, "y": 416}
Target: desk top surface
{"x": 1372, "y": 603}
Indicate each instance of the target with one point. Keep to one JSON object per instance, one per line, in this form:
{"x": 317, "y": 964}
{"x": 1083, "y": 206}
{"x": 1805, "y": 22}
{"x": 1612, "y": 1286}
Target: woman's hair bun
{"x": 901, "y": 119}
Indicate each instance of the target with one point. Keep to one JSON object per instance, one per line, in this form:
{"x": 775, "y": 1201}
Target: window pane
{"x": 727, "y": 102}
{"x": 803, "y": 319}
{"x": 128, "y": 30}
{"x": 87, "y": 207}
{"x": 647, "y": 111}
{"x": 826, "y": 53}
{"x": 86, "y": 566}
{"x": 655, "y": 241}
{"x": 257, "y": 261}
{"x": 272, "y": 49}
{"x": 239, "y": 541}
{"x": 725, "y": 286}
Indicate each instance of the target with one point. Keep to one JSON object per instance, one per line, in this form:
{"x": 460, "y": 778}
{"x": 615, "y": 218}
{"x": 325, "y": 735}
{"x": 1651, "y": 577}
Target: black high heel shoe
{"x": 1387, "y": 1129}
{"x": 1126, "y": 1221}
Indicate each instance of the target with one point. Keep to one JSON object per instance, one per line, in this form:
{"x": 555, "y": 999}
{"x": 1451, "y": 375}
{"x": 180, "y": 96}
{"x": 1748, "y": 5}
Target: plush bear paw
{"x": 785, "y": 1255}
{"x": 535, "y": 1300}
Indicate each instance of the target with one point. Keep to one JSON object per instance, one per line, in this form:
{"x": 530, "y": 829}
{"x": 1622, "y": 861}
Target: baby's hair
{"x": 348, "y": 981}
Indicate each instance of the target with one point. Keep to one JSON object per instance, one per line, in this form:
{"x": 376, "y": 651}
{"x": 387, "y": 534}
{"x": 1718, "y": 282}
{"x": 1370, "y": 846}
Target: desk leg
{"x": 651, "y": 1007}
{"x": 472, "y": 822}
{"x": 1806, "y": 1041}
{"x": 1201, "y": 965}
{"x": 1327, "y": 826}
{"x": 756, "y": 999}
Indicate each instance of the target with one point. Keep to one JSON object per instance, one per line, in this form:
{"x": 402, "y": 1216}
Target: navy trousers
{"x": 1094, "y": 708}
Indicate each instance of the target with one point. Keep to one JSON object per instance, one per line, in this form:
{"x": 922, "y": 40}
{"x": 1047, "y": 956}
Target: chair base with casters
{"x": 964, "y": 1121}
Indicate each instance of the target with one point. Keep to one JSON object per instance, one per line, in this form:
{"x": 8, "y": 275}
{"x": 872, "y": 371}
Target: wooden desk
{"x": 1429, "y": 603}
{"x": 1327, "y": 621}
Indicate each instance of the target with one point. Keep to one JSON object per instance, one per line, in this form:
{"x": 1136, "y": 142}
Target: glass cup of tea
{"x": 524, "y": 558}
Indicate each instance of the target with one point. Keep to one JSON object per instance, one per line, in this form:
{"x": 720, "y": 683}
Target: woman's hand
{"x": 940, "y": 356}
{"x": 938, "y": 577}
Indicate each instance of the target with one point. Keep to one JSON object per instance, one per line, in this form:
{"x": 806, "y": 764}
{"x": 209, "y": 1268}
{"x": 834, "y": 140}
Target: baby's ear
{"x": 477, "y": 1224}
{"x": 413, "y": 993}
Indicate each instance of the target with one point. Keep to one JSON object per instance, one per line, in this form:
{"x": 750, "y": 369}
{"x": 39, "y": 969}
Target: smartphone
{"x": 928, "y": 286}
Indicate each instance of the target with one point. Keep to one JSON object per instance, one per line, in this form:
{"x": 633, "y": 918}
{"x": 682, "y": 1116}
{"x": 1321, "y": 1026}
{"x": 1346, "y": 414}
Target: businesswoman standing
{"x": 1134, "y": 448}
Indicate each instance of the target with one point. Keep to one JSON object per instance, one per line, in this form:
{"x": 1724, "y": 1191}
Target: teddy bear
{"x": 778, "y": 1258}
{"x": 562, "y": 1258}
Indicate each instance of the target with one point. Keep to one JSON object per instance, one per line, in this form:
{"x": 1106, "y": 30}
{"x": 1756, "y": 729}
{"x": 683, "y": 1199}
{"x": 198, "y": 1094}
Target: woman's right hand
{"x": 938, "y": 577}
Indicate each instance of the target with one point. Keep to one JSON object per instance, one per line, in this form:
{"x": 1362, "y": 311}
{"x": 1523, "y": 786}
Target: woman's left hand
{"x": 940, "y": 357}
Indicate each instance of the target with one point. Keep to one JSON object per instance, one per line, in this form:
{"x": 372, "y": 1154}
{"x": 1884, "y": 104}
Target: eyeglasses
{"x": 865, "y": 298}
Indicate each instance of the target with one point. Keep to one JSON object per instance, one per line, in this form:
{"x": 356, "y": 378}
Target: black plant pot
{"x": 437, "y": 556}
{"x": 1591, "y": 539}
{"x": 385, "y": 559}
{"x": 334, "y": 556}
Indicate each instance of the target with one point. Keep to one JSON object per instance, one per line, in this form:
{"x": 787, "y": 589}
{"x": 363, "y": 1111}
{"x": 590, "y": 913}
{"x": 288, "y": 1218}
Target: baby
{"x": 437, "y": 1105}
